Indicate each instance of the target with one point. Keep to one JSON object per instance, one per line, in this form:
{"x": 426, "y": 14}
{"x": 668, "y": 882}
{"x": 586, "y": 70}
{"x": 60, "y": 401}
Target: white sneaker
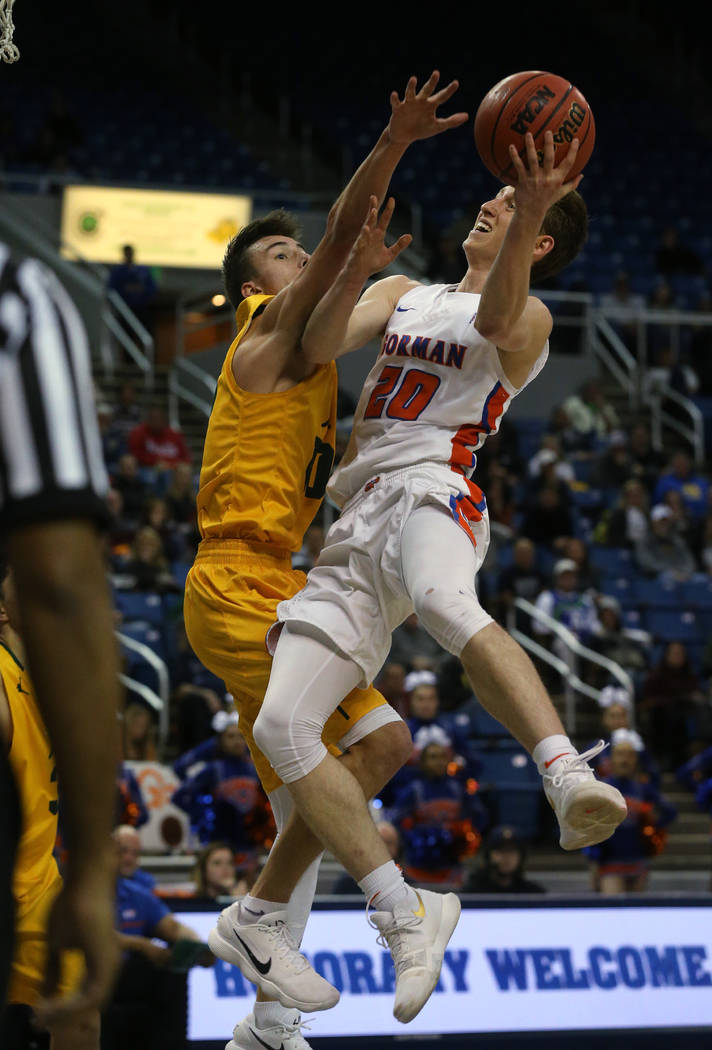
{"x": 267, "y": 955}
{"x": 588, "y": 810}
{"x": 417, "y": 942}
{"x": 247, "y": 1036}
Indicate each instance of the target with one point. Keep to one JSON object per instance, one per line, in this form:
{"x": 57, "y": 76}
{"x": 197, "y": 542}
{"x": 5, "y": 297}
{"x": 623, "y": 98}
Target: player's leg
{"x": 306, "y": 684}
{"x": 441, "y": 584}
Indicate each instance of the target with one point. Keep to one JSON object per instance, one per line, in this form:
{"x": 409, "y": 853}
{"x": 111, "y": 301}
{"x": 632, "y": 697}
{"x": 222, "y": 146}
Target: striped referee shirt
{"x": 51, "y": 461}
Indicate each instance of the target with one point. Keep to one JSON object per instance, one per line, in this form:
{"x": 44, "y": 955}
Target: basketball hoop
{"x": 8, "y": 51}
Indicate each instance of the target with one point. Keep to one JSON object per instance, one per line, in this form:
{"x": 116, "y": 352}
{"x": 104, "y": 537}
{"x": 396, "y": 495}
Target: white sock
{"x": 549, "y": 750}
{"x": 386, "y": 886}
{"x": 271, "y": 1013}
{"x": 252, "y": 909}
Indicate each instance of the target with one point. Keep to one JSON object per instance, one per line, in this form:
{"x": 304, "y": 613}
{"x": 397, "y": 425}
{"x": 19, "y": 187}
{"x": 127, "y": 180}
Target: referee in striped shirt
{"x": 52, "y": 489}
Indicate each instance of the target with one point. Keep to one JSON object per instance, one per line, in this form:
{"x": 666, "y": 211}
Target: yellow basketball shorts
{"x": 231, "y": 596}
{"x": 30, "y": 957}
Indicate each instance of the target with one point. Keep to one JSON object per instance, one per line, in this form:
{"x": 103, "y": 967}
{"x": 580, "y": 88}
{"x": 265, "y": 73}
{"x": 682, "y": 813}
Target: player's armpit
{"x": 528, "y": 333}
{"x": 337, "y": 326}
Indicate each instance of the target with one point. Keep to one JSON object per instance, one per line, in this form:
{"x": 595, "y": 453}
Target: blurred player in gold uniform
{"x": 36, "y": 881}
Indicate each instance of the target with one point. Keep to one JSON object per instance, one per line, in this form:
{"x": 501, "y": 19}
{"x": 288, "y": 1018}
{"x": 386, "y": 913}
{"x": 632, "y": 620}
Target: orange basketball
{"x": 537, "y": 102}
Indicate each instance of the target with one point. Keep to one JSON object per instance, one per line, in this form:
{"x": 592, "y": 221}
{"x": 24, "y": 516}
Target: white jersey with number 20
{"x": 435, "y": 393}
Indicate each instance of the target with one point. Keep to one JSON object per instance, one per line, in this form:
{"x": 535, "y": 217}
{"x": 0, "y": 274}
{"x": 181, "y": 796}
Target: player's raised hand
{"x": 415, "y": 115}
{"x": 370, "y": 253}
{"x": 540, "y": 183}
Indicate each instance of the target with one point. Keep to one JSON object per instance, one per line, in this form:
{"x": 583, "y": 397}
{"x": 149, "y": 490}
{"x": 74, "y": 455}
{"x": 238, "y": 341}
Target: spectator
{"x": 147, "y": 567}
{"x": 549, "y": 466}
{"x": 591, "y": 415}
{"x": 127, "y": 411}
{"x": 391, "y": 683}
{"x": 694, "y": 488}
{"x": 130, "y": 806}
{"x": 574, "y": 548}
{"x": 703, "y": 544}
{"x": 440, "y": 818}
{"x": 502, "y": 865}
{"x": 549, "y": 520}
{"x": 195, "y": 707}
{"x": 700, "y": 348}
{"x": 615, "y": 704}
{"x": 113, "y": 442}
{"x": 156, "y": 444}
{"x": 414, "y": 648}
{"x": 521, "y": 579}
{"x": 139, "y": 733}
{"x": 627, "y": 523}
{"x": 148, "y": 1009}
{"x": 674, "y": 257}
{"x": 629, "y": 647}
{"x": 663, "y": 551}
{"x": 119, "y": 531}
{"x": 668, "y": 704}
{"x": 612, "y": 467}
{"x": 216, "y": 874}
{"x": 222, "y": 794}
{"x": 696, "y": 770}
{"x": 568, "y": 604}
{"x": 157, "y": 514}
{"x": 684, "y": 524}
{"x": 346, "y": 886}
{"x": 621, "y": 863}
{"x": 646, "y": 462}
{"x": 622, "y": 308}
{"x": 128, "y": 848}
{"x": 425, "y": 715}
{"x": 136, "y": 286}
{"x": 134, "y": 490}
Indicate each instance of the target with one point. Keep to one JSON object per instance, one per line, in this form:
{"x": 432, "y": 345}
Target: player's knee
{"x": 395, "y": 746}
{"x": 450, "y": 614}
{"x": 268, "y": 731}
{"x": 290, "y": 741}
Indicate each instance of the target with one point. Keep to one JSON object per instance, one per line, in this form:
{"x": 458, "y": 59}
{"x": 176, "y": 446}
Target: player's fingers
{"x": 530, "y": 150}
{"x": 568, "y": 161}
{"x": 410, "y": 88}
{"x": 517, "y": 161}
{"x": 400, "y": 245}
{"x": 445, "y": 93}
{"x": 429, "y": 85}
{"x": 395, "y": 99}
{"x": 444, "y": 123}
{"x": 387, "y": 213}
{"x": 548, "y": 151}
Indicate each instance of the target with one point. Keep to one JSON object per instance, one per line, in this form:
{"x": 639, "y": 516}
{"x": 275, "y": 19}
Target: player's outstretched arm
{"x": 413, "y": 117}
{"x": 507, "y": 315}
{"x": 67, "y": 629}
{"x": 340, "y": 322}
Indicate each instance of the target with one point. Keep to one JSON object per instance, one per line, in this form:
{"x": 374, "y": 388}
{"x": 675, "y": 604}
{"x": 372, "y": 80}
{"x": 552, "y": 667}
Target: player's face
{"x": 277, "y": 261}
{"x": 129, "y": 850}
{"x": 491, "y": 224}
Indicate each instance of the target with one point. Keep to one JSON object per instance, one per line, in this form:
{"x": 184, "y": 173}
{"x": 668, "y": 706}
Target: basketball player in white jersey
{"x": 413, "y": 533}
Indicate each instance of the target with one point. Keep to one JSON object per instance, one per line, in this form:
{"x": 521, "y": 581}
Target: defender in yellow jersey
{"x": 268, "y": 453}
{"x": 36, "y": 881}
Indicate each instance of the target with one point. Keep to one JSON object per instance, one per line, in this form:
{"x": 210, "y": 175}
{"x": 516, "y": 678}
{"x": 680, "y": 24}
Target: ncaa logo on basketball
{"x": 534, "y": 106}
{"x": 570, "y": 126}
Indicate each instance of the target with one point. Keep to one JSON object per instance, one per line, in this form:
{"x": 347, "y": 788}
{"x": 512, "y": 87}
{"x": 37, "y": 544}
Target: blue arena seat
{"x": 140, "y": 607}
{"x": 671, "y": 625}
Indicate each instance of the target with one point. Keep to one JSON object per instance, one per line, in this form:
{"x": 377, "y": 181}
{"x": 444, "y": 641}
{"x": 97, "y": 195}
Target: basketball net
{"x": 8, "y": 51}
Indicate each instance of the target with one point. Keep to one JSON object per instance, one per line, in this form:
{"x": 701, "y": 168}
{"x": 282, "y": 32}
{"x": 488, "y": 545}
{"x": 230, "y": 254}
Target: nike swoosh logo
{"x": 420, "y": 912}
{"x": 261, "y": 967}
{"x": 268, "y": 1045}
{"x": 257, "y": 913}
{"x": 404, "y": 309}
{"x": 552, "y": 760}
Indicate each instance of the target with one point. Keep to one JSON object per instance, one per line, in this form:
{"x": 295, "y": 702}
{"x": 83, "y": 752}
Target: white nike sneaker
{"x": 588, "y": 810}
{"x": 267, "y": 955}
{"x": 247, "y": 1036}
{"x": 417, "y": 942}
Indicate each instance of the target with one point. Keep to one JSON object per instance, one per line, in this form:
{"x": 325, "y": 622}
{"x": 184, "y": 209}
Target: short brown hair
{"x": 567, "y": 222}
{"x": 237, "y": 267}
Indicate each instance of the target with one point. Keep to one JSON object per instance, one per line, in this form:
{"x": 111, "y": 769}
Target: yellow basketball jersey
{"x": 33, "y": 767}
{"x": 267, "y": 457}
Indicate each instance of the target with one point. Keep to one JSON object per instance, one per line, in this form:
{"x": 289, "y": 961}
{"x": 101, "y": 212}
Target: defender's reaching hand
{"x": 370, "y": 254}
{"x": 415, "y": 115}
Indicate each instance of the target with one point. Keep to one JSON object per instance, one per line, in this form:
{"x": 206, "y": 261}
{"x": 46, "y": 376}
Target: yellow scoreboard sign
{"x": 165, "y": 228}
